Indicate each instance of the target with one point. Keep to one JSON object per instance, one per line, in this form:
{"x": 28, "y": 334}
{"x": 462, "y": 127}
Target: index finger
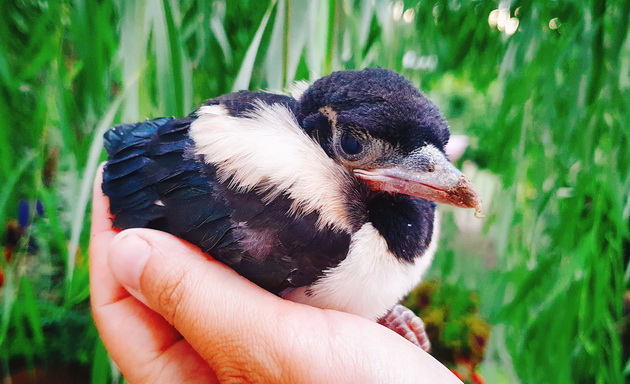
{"x": 105, "y": 288}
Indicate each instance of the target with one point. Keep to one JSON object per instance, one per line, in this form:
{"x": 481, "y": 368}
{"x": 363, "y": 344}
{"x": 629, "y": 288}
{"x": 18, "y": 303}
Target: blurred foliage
{"x": 545, "y": 103}
{"x": 458, "y": 332}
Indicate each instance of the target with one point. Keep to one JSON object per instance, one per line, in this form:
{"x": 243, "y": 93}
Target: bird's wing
{"x": 154, "y": 178}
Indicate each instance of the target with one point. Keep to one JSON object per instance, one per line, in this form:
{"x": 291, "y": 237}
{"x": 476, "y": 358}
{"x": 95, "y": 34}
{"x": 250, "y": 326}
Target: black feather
{"x": 406, "y": 223}
{"x": 153, "y": 162}
{"x": 376, "y": 100}
{"x": 154, "y": 179}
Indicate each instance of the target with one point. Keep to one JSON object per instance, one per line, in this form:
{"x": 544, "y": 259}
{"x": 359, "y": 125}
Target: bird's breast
{"x": 370, "y": 280}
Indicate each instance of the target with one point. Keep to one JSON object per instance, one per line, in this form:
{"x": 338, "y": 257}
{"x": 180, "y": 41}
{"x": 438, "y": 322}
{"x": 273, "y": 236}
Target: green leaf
{"x": 29, "y": 304}
{"x": 247, "y": 66}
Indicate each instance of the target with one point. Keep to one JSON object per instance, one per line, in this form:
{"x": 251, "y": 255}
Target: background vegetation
{"x": 541, "y": 88}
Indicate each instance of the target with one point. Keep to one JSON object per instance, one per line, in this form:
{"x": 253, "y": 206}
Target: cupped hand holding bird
{"x": 166, "y": 313}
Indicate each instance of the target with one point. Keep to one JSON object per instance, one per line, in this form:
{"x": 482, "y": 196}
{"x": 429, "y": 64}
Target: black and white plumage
{"x": 325, "y": 198}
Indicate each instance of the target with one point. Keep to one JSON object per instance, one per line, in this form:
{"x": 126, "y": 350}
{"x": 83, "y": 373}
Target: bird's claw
{"x": 404, "y": 322}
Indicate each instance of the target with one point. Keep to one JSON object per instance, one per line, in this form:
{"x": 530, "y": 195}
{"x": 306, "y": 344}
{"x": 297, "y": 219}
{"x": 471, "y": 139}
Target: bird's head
{"x": 383, "y": 129}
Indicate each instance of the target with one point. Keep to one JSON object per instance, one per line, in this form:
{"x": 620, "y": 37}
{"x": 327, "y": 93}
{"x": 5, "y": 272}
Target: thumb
{"x": 232, "y": 323}
{"x": 177, "y": 280}
{"x": 170, "y": 260}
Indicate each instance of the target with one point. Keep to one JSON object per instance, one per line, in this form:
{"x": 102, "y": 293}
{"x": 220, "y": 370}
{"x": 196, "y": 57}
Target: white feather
{"x": 297, "y": 89}
{"x": 267, "y": 151}
{"x": 370, "y": 280}
{"x": 217, "y": 110}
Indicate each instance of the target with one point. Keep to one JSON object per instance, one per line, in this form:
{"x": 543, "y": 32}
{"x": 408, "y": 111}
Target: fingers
{"x": 145, "y": 347}
{"x": 244, "y": 332}
{"x": 226, "y": 318}
{"x": 104, "y": 287}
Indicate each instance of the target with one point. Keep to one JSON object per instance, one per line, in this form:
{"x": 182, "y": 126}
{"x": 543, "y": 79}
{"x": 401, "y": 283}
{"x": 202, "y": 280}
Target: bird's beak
{"x": 428, "y": 175}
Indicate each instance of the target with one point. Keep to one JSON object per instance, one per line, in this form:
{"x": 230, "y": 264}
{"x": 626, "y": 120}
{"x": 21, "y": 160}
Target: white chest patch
{"x": 267, "y": 151}
{"x": 370, "y": 280}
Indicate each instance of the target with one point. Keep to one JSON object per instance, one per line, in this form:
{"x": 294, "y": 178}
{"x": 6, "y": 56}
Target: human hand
{"x": 167, "y": 312}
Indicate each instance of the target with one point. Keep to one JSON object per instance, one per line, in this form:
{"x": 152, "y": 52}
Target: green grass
{"x": 547, "y": 111}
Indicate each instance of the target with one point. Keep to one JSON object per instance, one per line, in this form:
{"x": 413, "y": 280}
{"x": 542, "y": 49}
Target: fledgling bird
{"x": 325, "y": 197}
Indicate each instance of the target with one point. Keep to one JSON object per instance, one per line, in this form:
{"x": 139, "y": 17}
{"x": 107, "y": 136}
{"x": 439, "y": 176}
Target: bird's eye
{"x": 350, "y": 145}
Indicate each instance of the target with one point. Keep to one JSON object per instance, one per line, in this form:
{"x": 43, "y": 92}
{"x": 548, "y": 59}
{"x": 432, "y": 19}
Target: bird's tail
{"x": 131, "y": 171}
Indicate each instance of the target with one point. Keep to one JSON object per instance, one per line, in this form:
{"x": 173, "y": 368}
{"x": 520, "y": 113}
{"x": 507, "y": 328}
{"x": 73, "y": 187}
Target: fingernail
{"x": 128, "y": 256}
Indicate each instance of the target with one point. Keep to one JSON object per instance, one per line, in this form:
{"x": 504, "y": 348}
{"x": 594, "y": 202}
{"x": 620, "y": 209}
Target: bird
{"x": 325, "y": 196}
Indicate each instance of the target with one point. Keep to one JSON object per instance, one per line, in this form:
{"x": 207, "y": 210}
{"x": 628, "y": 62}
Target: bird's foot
{"x": 404, "y": 322}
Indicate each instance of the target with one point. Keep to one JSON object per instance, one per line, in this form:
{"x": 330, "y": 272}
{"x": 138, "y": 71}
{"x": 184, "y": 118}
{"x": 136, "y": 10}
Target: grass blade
{"x": 9, "y": 185}
{"x": 247, "y": 66}
{"x": 78, "y": 215}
